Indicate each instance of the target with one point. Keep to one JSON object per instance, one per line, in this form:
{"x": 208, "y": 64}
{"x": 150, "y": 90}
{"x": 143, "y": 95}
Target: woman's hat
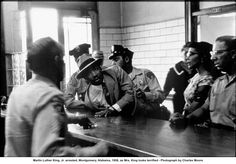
{"x": 86, "y": 65}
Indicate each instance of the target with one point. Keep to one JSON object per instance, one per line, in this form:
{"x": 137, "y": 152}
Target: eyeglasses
{"x": 218, "y": 52}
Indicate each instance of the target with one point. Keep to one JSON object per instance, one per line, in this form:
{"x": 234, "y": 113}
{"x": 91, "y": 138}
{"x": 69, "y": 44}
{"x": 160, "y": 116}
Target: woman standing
{"x": 177, "y": 79}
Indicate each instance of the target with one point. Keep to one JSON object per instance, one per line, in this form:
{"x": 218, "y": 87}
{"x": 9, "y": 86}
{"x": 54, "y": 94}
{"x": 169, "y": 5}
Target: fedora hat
{"x": 86, "y": 65}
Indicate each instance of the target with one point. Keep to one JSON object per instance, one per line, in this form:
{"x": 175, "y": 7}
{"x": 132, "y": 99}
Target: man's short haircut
{"x": 41, "y": 54}
{"x": 230, "y": 41}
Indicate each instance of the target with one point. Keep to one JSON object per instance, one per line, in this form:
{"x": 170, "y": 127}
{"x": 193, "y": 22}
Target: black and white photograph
{"x": 118, "y": 82}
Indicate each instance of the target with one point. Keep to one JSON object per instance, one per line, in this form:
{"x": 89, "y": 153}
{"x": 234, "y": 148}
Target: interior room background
{"x": 154, "y": 31}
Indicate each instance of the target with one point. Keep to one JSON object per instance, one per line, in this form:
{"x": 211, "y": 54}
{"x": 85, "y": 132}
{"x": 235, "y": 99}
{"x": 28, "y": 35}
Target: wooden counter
{"x": 151, "y": 137}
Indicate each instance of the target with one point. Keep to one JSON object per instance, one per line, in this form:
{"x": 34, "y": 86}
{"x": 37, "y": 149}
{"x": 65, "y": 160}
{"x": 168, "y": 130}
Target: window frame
{"x": 86, "y": 9}
{"x": 192, "y": 12}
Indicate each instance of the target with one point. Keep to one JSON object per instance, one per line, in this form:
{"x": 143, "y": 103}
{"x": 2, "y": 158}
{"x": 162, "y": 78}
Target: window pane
{"x": 23, "y": 30}
{"x": 76, "y": 31}
{"x": 225, "y": 24}
{"x": 44, "y": 23}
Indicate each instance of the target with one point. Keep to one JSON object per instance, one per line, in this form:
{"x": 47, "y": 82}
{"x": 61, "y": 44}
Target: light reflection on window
{"x": 225, "y": 23}
{"x": 44, "y": 23}
{"x": 23, "y": 30}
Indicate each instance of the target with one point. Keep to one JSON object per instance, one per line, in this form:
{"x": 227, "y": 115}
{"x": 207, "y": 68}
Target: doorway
{"x": 76, "y": 30}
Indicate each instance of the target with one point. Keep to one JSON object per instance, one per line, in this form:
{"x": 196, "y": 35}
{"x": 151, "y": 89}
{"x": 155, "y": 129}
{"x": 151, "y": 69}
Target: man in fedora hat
{"x": 147, "y": 88}
{"x": 109, "y": 91}
{"x": 77, "y": 86}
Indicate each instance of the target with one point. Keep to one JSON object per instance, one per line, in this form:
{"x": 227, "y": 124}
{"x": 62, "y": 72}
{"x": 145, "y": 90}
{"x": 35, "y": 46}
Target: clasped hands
{"x": 140, "y": 94}
{"x": 178, "y": 120}
{"x": 105, "y": 112}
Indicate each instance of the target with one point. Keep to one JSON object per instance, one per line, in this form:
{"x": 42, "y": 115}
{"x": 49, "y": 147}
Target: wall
{"x": 149, "y": 29}
{"x": 136, "y": 13}
{"x": 109, "y": 27}
{"x": 156, "y": 46}
{"x": 109, "y": 37}
{"x": 109, "y": 14}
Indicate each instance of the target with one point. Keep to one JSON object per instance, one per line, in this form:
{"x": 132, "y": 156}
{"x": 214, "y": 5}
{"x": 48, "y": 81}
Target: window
{"x": 209, "y": 21}
{"x": 76, "y": 31}
{"x": 44, "y": 23}
{"x": 225, "y": 23}
{"x": 15, "y": 61}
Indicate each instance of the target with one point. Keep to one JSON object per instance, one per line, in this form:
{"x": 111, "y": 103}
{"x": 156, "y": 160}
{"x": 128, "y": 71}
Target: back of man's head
{"x": 41, "y": 55}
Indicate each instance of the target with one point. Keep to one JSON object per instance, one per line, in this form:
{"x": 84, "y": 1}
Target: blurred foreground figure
{"x": 36, "y": 120}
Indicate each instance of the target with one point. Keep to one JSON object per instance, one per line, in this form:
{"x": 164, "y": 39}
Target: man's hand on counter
{"x": 106, "y": 112}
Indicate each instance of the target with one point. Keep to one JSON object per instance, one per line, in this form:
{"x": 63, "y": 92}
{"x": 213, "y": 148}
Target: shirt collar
{"x": 232, "y": 78}
{"x": 44, "y": 79}
{"x": 135, "y": 72}
{"x": 226, "y": 77}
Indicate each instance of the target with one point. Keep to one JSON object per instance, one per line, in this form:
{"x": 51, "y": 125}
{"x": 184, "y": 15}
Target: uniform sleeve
{"x": 126, "y": 87}
{"x": 155, "y": 94}
{"x": 70, "y": 93}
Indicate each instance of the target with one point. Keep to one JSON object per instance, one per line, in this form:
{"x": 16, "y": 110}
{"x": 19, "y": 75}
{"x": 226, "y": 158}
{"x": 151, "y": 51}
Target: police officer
{"x": 148, "y": 91}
